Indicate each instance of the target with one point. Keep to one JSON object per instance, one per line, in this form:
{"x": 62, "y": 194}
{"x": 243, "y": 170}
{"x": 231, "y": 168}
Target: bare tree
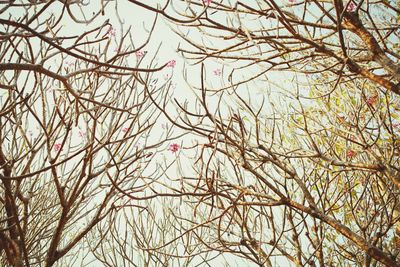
{"x": 353, "y": 39}
{"x": 304, "y": 174}
{"x": 76, "y": 122}
{"x": 313, "y": 181}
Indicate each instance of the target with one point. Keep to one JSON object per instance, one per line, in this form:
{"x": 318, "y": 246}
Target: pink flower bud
{"x": 371, "y": 100}
{"x": 140, "y": 54}
{"x": 171, "y": 63}
{"x": 351, "y": 153}
{"x": 173, "y": 147}
{"x": 351, "y": 7}
{"x": 57, "y": 147}
{"x": 217, "y": 72}
{"x": 111, "y": 31}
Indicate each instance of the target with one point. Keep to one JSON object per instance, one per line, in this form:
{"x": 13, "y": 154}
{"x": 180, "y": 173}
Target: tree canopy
{"x": 284, "y": 150}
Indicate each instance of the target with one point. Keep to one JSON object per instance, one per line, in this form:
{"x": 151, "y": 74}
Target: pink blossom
{"x": 69, "y": 63}
{"x": 395, "y": 125}
{"x": 139, "y": 54}
{"x": 173, "y": 147}
{"x": 171, "y": 63}
{"x": 217, "y": 72}
{"x": 207, "y": 2}
{"x": 351, "y": 153}
{"x": 291, "y": 1}
{"x": 57, "y": 147}
{"x": 111, "y": 31}
{"x": 125, "y": 129}
{"x": 371, "y": 100}
{"x": 81, "y": 133}
{"x": 351, "y": 7}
